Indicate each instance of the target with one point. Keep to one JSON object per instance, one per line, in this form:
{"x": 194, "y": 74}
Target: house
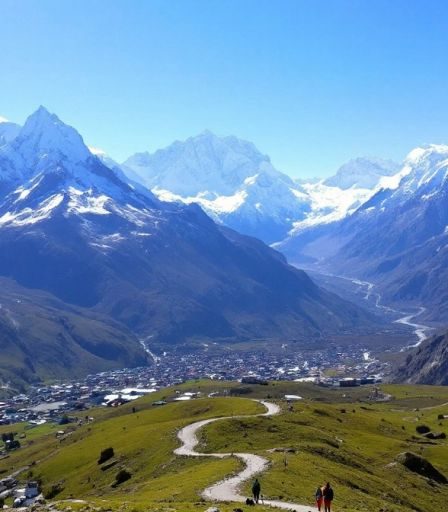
{"x": 31, "y": 490}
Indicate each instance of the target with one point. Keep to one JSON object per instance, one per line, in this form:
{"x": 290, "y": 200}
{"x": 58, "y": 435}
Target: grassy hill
{"x": 42, "y": 338}
{"x": 331, "y": 435}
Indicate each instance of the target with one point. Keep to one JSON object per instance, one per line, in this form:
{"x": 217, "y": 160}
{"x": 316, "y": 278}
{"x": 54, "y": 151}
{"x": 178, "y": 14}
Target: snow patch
{"x": 218, "y": 205}
{"x": 84, "y": 202}
{"x": 30, "y": 216}
{"x": 96, "y": 151}
{"x": 23, "y": 193}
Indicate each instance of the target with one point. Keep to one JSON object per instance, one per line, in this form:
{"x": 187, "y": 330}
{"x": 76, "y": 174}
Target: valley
{"x": 170, "y": 276}
{"x": 353, "y": 288}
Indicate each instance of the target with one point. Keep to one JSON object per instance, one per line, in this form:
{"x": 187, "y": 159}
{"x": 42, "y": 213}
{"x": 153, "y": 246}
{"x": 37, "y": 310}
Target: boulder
{"x": 435, "y": 435}
{"x": 419, "y": 465}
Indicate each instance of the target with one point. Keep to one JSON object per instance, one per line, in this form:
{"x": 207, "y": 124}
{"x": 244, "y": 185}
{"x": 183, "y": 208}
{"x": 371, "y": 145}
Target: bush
{"x": 105, "y": 455}
{"x": 122, "y": 476}
{"x": 54, "y": 490}
{"x": 422, "y": 429}
{"x": 65, "y": 420}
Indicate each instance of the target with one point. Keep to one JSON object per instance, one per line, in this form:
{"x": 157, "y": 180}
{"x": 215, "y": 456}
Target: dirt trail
{"x": 229, "y": 488}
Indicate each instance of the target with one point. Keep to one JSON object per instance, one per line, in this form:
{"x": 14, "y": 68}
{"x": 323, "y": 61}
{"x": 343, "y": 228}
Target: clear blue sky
{"x": 312, "y": 83}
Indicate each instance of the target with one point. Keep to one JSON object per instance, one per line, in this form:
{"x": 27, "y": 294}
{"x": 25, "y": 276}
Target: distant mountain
{"x": 238, "y": 186}
{"x": 365, "y": 173}
{"x": 426, "y": 364}
{"x": 397, "y": 239}
{"x": 72, "y": 227}
{"x": 8, "y": 131}
{"x": 231, "y": 180}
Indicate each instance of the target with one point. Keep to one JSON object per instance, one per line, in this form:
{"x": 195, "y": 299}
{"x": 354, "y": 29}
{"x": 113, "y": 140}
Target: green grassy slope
{"x": 354, "y": 449}
{"x": 42, "y": 338}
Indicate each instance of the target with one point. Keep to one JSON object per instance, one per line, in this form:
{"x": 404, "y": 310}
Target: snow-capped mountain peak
{"x": 47, "y": 170}
{"x": 203, "y": 163}
{"x": 229, "y": 177}
{"x": 46, "y": 138}
{"x": 362, "y": 172}
{"x": 425, "y": 169}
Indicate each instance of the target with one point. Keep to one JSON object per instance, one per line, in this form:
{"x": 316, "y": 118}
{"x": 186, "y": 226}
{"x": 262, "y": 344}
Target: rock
{"x": 212, "y": 509}
{"x": 419, "y": 465}
{"x": 435, "y": 435}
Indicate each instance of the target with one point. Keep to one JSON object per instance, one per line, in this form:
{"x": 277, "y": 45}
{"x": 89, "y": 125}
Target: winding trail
{"x": 228, "y": 489}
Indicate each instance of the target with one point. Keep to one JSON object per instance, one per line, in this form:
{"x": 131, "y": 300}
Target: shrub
{"x": 54, "y": 490}
{"x": 105, "y": 455}
{"x": 422, "y": 429}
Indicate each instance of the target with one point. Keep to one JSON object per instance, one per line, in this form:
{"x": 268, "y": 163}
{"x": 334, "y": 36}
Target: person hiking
{"x": 256, "y": 488}
{"x": 319, "y": 497}
{"x": 328, "y": 497}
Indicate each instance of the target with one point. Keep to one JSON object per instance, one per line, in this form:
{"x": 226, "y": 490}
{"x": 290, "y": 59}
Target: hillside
{"x": 427, "y": 363}
{"x": 330, "y": 435}
{"x": 43, "y": 338}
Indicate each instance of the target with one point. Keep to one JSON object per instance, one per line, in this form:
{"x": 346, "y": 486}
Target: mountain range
{"x": 239, "y": 187}
{"x": 82, "y": 237}
{"x": 374, "y": 220}
{"x": 168, "y": 244}
{"x": 397, "y": 239}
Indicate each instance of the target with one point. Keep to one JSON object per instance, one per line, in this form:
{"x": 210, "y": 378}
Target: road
{"x": 229, "y": 488}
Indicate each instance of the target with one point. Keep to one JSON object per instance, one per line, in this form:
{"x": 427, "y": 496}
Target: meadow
{"x": 330, "y": 435}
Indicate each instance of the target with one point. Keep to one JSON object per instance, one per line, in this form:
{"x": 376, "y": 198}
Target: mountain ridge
{"x": 238, "y": 186}
{"x": 397, "y": 239}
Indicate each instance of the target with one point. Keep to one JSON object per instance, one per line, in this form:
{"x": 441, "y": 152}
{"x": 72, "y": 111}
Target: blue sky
{"x": 311, "y": 83}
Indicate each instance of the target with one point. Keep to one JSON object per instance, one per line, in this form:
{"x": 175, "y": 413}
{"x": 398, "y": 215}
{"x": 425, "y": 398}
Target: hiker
{"x": 328, "y": 497}
{"x": 319, "y": 497}
{"x": 256, "y": 488}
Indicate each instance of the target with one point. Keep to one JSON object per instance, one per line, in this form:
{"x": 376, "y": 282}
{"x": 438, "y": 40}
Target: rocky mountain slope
{"x": 72, "y": 227}
{"x": 427, "y": 363}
